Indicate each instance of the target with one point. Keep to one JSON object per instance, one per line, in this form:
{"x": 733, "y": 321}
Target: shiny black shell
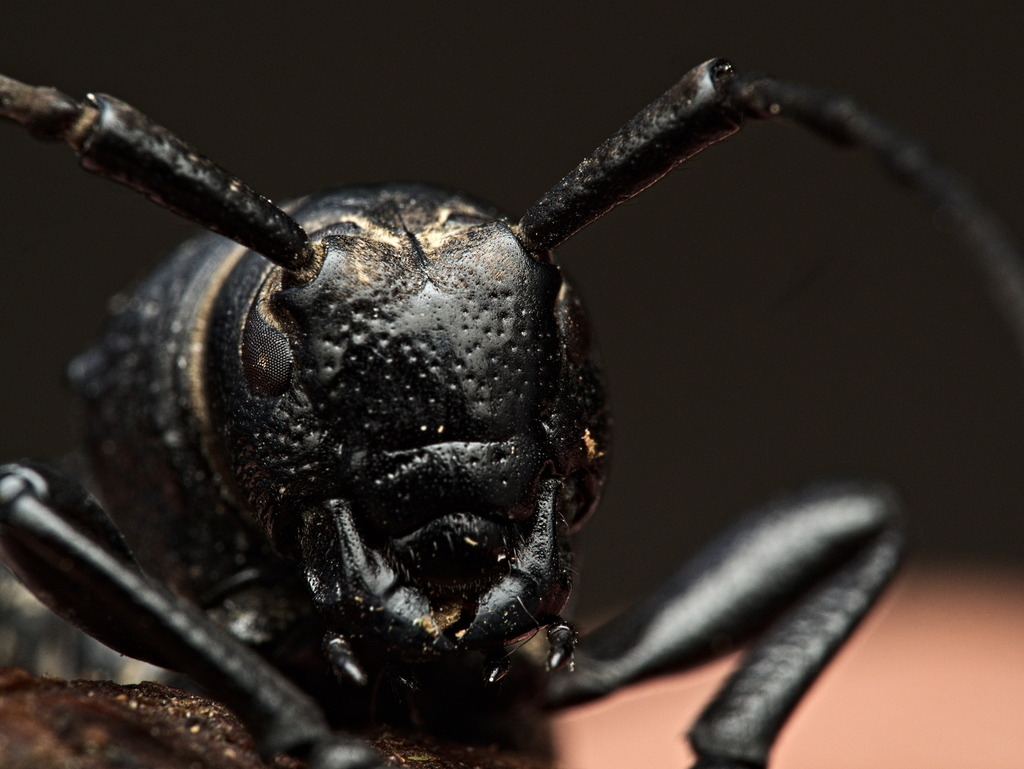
{"x": 434, "y": 376}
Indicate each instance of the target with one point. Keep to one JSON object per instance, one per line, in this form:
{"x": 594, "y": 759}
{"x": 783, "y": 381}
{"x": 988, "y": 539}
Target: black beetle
{"x": 371, "y": 425}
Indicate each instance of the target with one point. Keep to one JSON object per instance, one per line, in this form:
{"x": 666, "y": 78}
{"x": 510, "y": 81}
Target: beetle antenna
{"x": 843, "y": 121}
{"x": 710, "y": 103}
{"x": 692, "y": 115}
{"x": 116, "y": 141}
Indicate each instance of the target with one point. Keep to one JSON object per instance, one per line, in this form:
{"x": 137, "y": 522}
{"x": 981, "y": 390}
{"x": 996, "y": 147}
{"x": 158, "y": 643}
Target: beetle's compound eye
{"x": 346, "y": 227}
{"x": 266, "y": 353}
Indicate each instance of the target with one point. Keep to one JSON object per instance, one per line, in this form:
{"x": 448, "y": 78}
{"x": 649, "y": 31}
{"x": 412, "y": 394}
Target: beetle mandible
{"x": 352, "y": 439}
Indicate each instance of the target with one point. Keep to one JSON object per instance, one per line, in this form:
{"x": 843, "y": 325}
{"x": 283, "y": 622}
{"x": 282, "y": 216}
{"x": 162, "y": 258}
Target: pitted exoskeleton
{"x": 352, "y": 446}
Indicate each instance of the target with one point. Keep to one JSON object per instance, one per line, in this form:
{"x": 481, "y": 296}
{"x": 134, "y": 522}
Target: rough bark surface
{"x": 47, "y": 722}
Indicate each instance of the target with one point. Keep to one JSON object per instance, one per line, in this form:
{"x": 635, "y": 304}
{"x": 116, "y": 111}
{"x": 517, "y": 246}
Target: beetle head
{"x": 420, "y": 425}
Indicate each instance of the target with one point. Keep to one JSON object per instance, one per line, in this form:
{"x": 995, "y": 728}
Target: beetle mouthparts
{"x": 454, "y": 550}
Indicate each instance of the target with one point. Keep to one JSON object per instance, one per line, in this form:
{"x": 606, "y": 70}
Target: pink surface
{"x": 934, "y": 679}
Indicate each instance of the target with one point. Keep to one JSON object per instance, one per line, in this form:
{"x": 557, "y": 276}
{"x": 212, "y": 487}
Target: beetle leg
{"x": 52, "y": 536}
{"x": 829, "y": 551}
{"x": 737, "y": 729}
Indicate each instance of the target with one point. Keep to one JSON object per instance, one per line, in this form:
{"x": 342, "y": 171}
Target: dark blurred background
{"x": 774, "y": 312}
